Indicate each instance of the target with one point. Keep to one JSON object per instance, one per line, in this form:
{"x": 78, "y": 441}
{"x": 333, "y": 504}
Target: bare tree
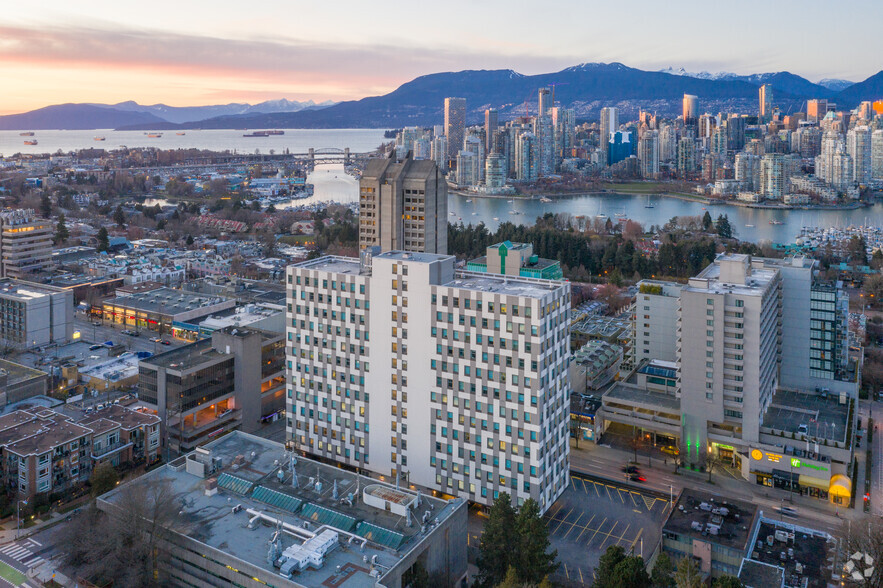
{"x": 863, "y": 537}
{"x": 124, "y": 544}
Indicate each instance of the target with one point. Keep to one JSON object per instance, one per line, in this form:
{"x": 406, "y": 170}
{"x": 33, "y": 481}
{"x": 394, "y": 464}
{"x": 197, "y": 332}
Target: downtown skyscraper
{"x": 455, "y": 125}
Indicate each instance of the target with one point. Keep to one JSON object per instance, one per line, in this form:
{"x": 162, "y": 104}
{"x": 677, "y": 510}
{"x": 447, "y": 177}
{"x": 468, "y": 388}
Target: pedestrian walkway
{"x": 23, "y": 552}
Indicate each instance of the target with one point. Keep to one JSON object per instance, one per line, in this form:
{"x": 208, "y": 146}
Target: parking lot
{"x": 594, "y": 514}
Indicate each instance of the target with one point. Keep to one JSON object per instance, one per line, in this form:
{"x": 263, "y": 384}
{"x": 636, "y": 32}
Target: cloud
{"x": 362, "y": 70}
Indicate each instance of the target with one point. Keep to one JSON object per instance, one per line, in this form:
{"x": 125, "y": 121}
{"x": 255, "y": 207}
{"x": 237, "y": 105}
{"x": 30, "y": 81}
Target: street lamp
{"x": 18, "y": 515}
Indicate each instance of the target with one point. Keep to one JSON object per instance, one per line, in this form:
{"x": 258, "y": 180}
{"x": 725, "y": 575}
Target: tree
{"x": 270, "y": 209}
{"x": 707, "y": 223}
{"x": 104, "y": 478}
{"x": 727, "y": 582}
{"x": 45, "y": 206}
{"x": 103, "y": 240}
{"x": 606, "y": 566}
{"x": 511, "y": 579}
{"x": 534, "y": 561}
{"x": 723, "y": 227}
{"x": 631, "y": 573}
{"x": 868, "y": 540}
{"x": 688, "y": 575}
{"x": 711, "y": 461}
{"x": 189, "y": 241}
{"x": 496, "y": 549}
{"x": 119, "y": 217}
{"x": 123, "y": 545}
{"x": 856, "y": 250}
{"x": 661, "y": 574}
{"x": 61, "y": 232}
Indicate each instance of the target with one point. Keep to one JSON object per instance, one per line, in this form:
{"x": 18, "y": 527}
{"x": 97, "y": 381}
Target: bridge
{"x": 225, "y": 161}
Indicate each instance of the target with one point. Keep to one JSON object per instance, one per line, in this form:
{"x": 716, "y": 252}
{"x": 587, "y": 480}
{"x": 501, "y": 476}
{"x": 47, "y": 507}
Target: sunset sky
{"x": 193, "y": 52}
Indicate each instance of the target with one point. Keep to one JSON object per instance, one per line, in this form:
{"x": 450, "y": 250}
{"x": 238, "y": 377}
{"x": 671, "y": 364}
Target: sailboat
{"x": 648, "y": 205}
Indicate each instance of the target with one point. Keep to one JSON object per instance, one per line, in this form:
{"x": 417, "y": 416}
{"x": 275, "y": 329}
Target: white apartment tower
{"x": 858, "y": 145}
{"x": 877, "y": 154}
{"x": 648, "y": 153}
{"x": 729, "y": 328}
{"x": 453, "y": 381}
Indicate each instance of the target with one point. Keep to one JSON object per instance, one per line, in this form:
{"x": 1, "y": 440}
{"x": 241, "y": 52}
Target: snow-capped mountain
{"x": 835, "y": 85}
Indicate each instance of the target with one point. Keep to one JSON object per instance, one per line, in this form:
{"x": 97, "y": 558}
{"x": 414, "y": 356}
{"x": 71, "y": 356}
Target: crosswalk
{"x": 23, "y": 552}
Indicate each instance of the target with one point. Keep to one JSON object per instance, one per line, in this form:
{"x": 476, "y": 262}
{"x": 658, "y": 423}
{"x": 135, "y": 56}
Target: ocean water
{"x": 295, "y": 140}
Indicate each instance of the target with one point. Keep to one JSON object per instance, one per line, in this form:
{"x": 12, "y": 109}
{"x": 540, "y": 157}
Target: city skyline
{"x": 104, "y": 53}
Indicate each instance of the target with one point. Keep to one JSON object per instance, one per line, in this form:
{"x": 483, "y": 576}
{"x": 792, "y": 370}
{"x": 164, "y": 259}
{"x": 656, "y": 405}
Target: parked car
{"x": 671, "y": 450}
{"x": 94, "y": 347}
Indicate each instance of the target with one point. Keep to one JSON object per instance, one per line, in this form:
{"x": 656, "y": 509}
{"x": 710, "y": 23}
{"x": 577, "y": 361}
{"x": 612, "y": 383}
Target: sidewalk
{"x": 607, "y": 461}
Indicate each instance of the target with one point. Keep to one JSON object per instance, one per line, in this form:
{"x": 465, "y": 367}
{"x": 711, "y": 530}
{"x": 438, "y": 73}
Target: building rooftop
{"x": 790, "y": 548}
{"x": 635, "y": 395}
{"x": 825, "y": 418}
{"x": 256, "y": 474}
{"x": 707, "y": 517}
{"x": 333, "y": 264}
{"x": 508, "y": 285}
{"x": 114, "y": 370}
{"x": 167, "y": 301}
{"x": 24, "y": 291}
{"x": 186, "y": 357}
{"x": 49, "y": 430}
{"x": 755, "y": 574}
{"x": 412, "y": 256}
{"x": 735, "y": 274}
{"x": 16, "y": 373}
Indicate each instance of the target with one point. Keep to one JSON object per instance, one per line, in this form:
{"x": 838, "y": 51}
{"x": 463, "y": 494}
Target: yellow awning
{"x": 809, "y": 481}
{"x": 841, "y": 486}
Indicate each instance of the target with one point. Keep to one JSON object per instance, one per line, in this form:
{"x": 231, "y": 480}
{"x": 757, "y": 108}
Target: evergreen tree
{"x": 630, "y": 573}
{"x": 723, "y": 227}
{"x": 688, "y": 575}
{"x": 707, "y": 223}
{"x": 119, "y": 217}
{"x": 661, "y": 575}
{"x": 533, "y": 560}
{"x": 497, "y": 546}
{"x": 45, "y": 206}
{"x": 727, "y": 582}
{"x": 61, "y": 232}
{"x": 604, "y": 573}
{"x": 189, "y": 240}
{"x": 511, "y": 579}
{"x": 103, "y": 241}
{"x": 271, "y": 209}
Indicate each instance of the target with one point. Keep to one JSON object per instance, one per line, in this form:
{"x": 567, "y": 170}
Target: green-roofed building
{"x": 516, "y": 259}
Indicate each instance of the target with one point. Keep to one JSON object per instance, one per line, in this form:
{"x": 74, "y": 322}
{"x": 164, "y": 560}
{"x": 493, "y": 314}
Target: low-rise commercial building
{"x": 163, "y": 309}
{"x": 20, "y": 382}
{"x": 255, "y": 514}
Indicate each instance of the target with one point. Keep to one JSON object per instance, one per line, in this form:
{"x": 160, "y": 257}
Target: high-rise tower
{"x": 455, "y": 124}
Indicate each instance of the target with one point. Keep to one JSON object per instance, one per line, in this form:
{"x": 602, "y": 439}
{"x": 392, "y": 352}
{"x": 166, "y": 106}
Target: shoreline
{"x": 697, "y": 199}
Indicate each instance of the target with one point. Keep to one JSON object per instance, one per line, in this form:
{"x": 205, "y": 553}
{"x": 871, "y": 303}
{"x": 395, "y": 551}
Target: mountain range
{"x": 586, "y": 88}
{"x": 111, "y": 116}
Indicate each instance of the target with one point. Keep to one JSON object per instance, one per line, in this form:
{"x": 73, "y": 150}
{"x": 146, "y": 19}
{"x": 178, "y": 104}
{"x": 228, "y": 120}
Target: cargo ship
{"x": 257, "y": 134}
{"x": 99, "y": 138}
{"x": 154, "y": 135}
{"x": 181, "y": 133}
{"x": 34, "y": 142}
{"x": 26, "y": 134}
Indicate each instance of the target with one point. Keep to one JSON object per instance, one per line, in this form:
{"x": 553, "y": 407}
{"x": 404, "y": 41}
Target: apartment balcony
{"x": 107, "y": 450}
